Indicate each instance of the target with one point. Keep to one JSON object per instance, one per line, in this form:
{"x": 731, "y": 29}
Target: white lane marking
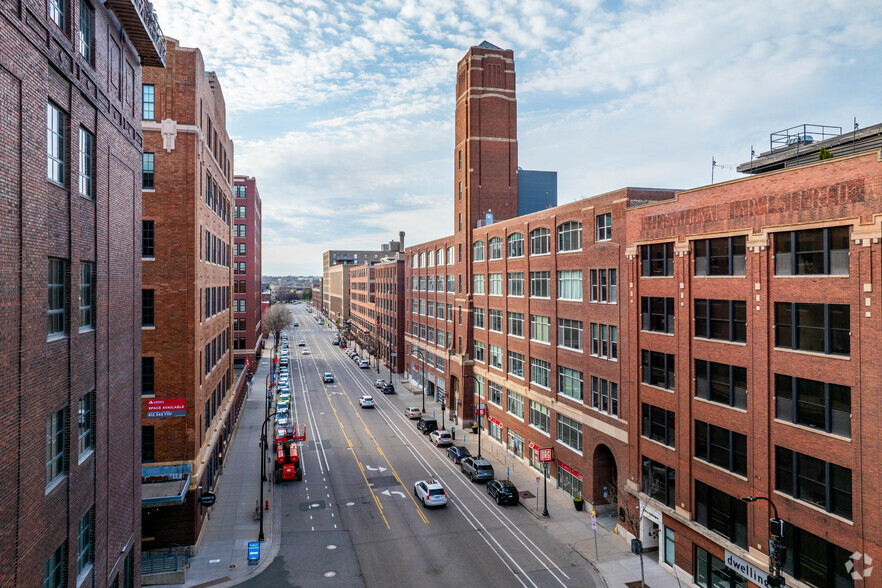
{"x": 373, "y": 469}
{"x": 391, "y": 492}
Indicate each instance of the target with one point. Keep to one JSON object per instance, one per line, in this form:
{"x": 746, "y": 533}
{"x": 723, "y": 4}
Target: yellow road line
{"x": 407, "y": 492}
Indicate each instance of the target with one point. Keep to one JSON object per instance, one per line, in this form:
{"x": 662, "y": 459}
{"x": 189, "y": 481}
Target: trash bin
{"x": 474, "y": 428}
{"x": 635, "y": 546}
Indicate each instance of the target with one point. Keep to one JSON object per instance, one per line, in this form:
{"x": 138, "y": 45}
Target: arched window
{"x": 516, "y": 245}
{"x": 540, "y": 241}
{"x": 450, "y": 255}
{"x": 478, "y": 251}
{"x": 439, "y": 257}
{"x": 569, "y": 236}
{"x": 495, "y": 248}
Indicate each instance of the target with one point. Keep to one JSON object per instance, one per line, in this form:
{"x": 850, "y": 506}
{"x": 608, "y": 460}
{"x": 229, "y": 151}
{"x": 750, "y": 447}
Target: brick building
{"x": 189, "y": 399}
{"x": 363, "y": 306}
{"x": 70, "y": 160}
{"x": 389, "y": 277}
{"x": 248, "y": 338}
{"x": 755, "y": 334}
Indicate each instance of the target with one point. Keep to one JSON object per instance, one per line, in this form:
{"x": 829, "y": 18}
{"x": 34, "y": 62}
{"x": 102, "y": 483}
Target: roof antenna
{"x": 752, "y": 155}
{"x": 854, "y": 135}
{"x": 713, "y": 165}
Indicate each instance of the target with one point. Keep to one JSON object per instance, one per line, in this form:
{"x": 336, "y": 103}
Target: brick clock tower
{"x": 485, "y": 163}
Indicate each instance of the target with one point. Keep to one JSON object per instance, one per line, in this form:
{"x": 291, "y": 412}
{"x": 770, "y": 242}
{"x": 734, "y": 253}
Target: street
{"x": 353, "y": 519}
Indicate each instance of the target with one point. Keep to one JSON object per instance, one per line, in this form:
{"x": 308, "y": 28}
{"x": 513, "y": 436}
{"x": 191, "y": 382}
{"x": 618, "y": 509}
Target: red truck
{"x": 287, "y": 466}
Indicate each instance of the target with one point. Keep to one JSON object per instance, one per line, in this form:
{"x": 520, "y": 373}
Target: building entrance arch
{"x": 605, "y": 474}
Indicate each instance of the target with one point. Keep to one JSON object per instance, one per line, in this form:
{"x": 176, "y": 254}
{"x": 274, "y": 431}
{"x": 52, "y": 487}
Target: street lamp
{"x": 260, "y": 536}
{"x": 777, "y": 551}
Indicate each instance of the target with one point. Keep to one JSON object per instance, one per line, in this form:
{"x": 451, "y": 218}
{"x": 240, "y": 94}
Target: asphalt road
{"x": 353, "y": 520}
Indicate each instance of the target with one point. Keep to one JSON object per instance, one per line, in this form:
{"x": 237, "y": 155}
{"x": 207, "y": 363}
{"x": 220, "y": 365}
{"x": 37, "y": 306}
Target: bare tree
{"x": 277, "y": 319}
{"x": 632, "y": 500}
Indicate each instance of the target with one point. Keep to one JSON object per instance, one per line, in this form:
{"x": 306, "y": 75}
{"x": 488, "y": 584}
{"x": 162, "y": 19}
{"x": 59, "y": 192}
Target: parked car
{"x": 440, "y": 437}
{"x": 380, "y": 383}
{"x": 366, "y": 401}
{"x": 388, "y": 389}
{"x": 335, "y": 342}
{"x": 504, "y": 491}
{"x": 327, "y": 377}
{"x": 457, "y": 453}
{"x": 412, "y": 412}
{"x": 430, "y": 493}
{"x": 426, "y": 425}
{"x": 364, "y": 364}
{"x": 476, "y": 469}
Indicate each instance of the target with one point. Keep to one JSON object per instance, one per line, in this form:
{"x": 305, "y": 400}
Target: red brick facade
{"x": 363, "y": 306}
{"x": 248, "y": 338}
{"x": 85, "y": 371}
{"x": 190, "y": 343}
{"x": 390, "y": 308}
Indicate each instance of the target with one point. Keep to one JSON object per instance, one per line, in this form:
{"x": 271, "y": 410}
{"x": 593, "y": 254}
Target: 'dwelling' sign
{"x": 170, "y": 407}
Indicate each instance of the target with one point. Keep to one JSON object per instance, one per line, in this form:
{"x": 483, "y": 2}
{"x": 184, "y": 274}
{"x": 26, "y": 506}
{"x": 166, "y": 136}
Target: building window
{"x": 604, "y": 226}
{"x": 439, "y": 257}
{"x": 569, "y": 284}
{"x": 55, "y": 446}
{"x": 658, "y": 424}
{"x": 84, "y": 543}
{"x": 147, "y": 445}
{"x": 660, "y": 481}
{"x": 516, "y": 324}
{"x": 55, "y": 125}
{"x": 657, "y": 260}
{"x": 147, "y": 306}
{"x": 86, "y": 17}
{"x": 147, "y": 377}
{"x": 720, "y": 257}
{"x": 450, "y": 255}
{"x": 540, "y": 372}
{"x": 605, "y": 396}
{"x": 53, "y": 569}
{"x": 516, "y": 364}
{"x": 657, "y": 314}
{"x": 569, "y": 432}
{"x": 721, "y": 447}
{"x": 540, "y": 241}
{"x": 56, "y": 12}
{"x": 540, "y": 417}
{"x": 812, "y": 252}
{"x": 569, "y": 236}
{"x": 87, "y": 158}
{"x": 819, "y": 405}
{"x": 604, "y": 341}
{"x": 494, "y": 393}
{"x": 569, "y": 383}
{"x": 57, "y": 287}
{"x": 516, "y": 245}
{"x": 569, "y": 333}
{"x": 495, "y": 248}
{"x": 818, "y": 482}
{"x": 495, "y": 320}
{"x": 147, "y": 239}
{"x": 478, "y": 283}
{"x": 451, "y": 284}
{"x": 87, "y": 295}
{"x": 516, "y": 404}
{"x": 479, "y": 351}
{"x": 516, "y": 283}
{"x": 670, "y": 546}
{"x": 724, "y": 320}
{"x": 496, "y": 357}
{"x": 422, "y": 283}
{"x": 820, "y": 328}
{"x": 603, "y": 286}
{"x": 722, "y": 383}
{"x": 658, "y": 369}
{"x": 721, "y": 513}
{"x": 540, "y": 328}
{"x": 494, "y": 287}
{"x": 478, "y": 318}
{"x": 815, "y": 561}
{"x": 147, "y": 168}
{"x": 86, "y": 420}
{"x": 710, "y": 572}
{"x": 540, "y": 284}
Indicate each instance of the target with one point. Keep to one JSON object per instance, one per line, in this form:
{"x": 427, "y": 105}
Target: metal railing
{"x": 162, "y": 561}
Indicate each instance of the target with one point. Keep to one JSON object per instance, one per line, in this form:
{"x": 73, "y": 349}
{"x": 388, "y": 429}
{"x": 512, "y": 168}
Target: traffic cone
{"x": 616, "y": 529}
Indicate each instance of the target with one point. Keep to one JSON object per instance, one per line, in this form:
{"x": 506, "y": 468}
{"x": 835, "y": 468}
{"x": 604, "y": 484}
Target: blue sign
{"x": 253, "y": 552}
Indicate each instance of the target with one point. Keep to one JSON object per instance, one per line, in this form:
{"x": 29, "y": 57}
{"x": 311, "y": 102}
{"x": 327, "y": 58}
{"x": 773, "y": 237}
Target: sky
{"x": 343, "y": 110}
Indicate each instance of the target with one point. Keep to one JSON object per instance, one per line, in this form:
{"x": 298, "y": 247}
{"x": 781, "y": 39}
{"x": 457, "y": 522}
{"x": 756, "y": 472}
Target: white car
{"x": 413, "y": 412}
{"x": 430, "y": 493}
{"x": 305, "y": 351}
{"x": 380, "y": 383}
{"x": 366, "y": 401}
{"x": 441, "y": 437}
{"x": 364, "y": 364}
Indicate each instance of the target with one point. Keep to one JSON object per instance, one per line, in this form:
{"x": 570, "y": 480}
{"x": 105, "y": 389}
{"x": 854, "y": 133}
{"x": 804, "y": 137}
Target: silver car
{"x": 430, "y": 493}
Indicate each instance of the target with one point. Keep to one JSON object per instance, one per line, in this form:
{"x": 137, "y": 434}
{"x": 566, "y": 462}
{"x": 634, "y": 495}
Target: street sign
{"x": 253, "y": 553}
{"x": 207, "y": 498}
{"x": 538, "y": 479}
{"x": 593, "y": 521}
{"x": 545, "y": 454}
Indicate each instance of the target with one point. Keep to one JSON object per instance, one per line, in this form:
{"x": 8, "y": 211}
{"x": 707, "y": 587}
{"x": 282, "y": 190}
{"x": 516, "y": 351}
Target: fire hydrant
{"x": 267, "y": 505}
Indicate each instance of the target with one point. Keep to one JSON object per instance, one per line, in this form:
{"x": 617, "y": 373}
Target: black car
{"x": 388, "y": 389}
{"x": 456, "y": 453}
{"x": 426, "y": 425}
{"x": 503, "y": 491}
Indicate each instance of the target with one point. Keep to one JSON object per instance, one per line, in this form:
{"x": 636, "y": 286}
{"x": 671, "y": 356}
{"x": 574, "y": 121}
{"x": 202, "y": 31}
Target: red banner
{"x": 168, "y": 407}
{"x": 567, "y": 468}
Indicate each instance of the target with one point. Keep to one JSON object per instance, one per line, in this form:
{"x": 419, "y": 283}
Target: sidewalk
{"x": 222, "y": 558}
{"x": 616, "y": 564}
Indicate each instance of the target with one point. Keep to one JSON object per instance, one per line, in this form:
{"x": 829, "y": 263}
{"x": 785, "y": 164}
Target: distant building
{"x": 363, "y": 307}
{"x": 537, "y": 190}
{"x": 389, "y": 277}
{"x": 248, "y": 338}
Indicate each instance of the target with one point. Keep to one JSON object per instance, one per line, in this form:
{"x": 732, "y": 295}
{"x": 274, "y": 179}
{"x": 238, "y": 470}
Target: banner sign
{"x": 170, "y": 407}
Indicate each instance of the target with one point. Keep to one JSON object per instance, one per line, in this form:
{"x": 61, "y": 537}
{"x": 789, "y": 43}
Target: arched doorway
{"x": 605, "y": 474}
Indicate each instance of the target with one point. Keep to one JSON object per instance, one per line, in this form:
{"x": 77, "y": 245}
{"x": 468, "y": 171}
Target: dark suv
{"x": 503, "y": 491}
{"x": 426, "y": 425}
{"x": 476, "y": 469}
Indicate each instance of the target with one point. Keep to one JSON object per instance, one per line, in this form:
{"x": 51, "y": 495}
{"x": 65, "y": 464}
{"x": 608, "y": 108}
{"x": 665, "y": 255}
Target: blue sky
{"x": 343, "y": 110}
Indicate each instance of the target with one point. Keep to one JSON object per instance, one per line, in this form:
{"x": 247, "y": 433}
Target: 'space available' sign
{"x": 169, "y": 407}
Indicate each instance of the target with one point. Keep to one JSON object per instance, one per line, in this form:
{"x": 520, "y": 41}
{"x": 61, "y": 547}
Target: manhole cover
{"x": 332, "y": 547}
{"x": 330, "y": 574}
{"x": 527, "y": 494}
{"x": 232, "y": 566}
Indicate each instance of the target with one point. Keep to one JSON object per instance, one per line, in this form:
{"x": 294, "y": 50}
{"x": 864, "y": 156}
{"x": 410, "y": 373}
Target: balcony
{"x": 139, "y": 21}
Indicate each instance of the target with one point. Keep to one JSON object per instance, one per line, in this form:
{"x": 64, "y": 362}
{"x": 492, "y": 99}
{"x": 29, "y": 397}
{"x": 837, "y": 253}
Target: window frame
{"x": 56, "y": 447}
{"x": 603, "y": 224}
{"x": 734, "y": 261}
{"x": 56, "y": 142}
{"x": 87, "y": 164}
{"x": 707, "y": 447}
{"x": 148, "y": 171}
{"x": 494, "y": 248}
{"x": 540, "y": 241}
{"x": 709, "y": 319}
{"x": 795, "y": 328}
{"x": 653, "y": 417}
{"x": 649, "y": 260}
{"x": 788, "y": 404}
{"x": 649, "y": 369}
{"x": 86, "y": 296}
{"x": 799, "y": 486}
{"x": 564, "y": 379}
{"x": 569, "y": 236}
{"x": 790, "y": 255}
{"x": 650, "y": 315}
{"x": 705, "y": 380}
{"x": 515, "y": 245}
{"x": 57, "y": 311}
